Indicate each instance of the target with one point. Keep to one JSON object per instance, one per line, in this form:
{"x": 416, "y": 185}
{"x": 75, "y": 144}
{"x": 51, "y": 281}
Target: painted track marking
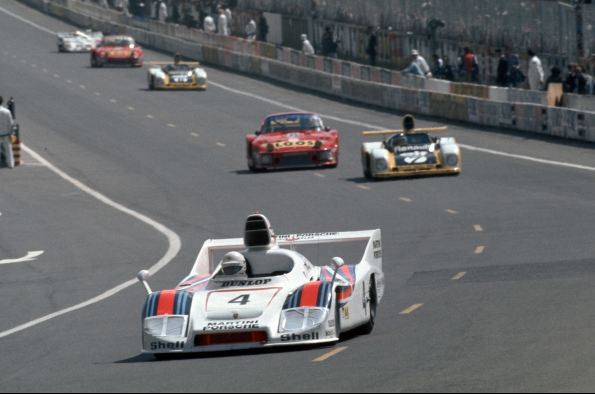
{"x": 329, "y": 354}
{"x": 220, "y": 144}
{"x": 319, "y": 175}
{"x": 478, "y": 228}
{"x": 175, "y": 244}
{"x": 363, "y": 187}
{"x": 194, "y": 134}
{"x": 451, "y": 211}
{"x": 29, "y": 257}
{"x": 410, "y": 309}
{"x": 405, "y": 199}
{"x": 459, "y": 275}
{"x": 479, "y": 250}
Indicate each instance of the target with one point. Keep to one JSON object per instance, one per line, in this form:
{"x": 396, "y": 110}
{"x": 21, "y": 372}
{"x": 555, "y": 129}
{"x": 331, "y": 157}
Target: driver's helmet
{"x": 307, "y": 123}
{"x": 177, "y": 59}
{"x": 234, "y": 263}
{"x": 399, "y": 140}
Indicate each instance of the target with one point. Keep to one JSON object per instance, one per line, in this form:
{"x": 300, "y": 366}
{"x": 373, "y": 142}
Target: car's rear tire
{"x": 152, "y": 84}
{"x": 367, "y": 328}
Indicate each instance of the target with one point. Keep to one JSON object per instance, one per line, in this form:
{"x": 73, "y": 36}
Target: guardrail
{"x": 490, "y": 106}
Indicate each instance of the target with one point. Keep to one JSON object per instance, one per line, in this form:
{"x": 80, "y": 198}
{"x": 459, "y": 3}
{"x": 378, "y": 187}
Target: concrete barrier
{"x": 556, "y": 122}
{"x": 527, "y": 96}
{"x": 467, "y": 89}
{"x": 437, "y": 85}
{"x": 579, "y": 102}
{"x": 529, "y": 117}
{"x": 449, "y": 106}
{"x": 498, "y": 94}
{"x": 489, "y": 112}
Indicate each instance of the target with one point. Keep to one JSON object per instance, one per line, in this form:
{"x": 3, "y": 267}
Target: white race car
{"x": 264, "y": 293}
{"x": 79, "y": 41}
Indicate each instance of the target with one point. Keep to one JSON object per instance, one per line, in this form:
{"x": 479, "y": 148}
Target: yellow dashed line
{"x": 319, "y": 175}
{"x": 330, "y": 354}
{"x": 410, "y": 309}
{"x": 113, "y": 101}
{"x": 150, "y": 116}
{"x": 130, "y": 108}
{"x": 34, "y": 65}
{"x": 479, "y": 250}
{"x": 44, "y": 70}
{"x": 405, "y": 199}
{"x": 363, "y": 187}
{"x": 459, "y": 276}
{"x": 194, "y": 134}
{"x": 477, "y": 227}
{"x": 82, "y": 86}
{"x": 68, "y": 81}
{"x": 23, "y": 61}
{"x": 220, "y": 144}
{"x": 451, "y": 211}
{"x": 14, "y": 56}
{"x": 97, "y": 94}
{"x": 173, "y": 126}
{"x": 56, "y": 76}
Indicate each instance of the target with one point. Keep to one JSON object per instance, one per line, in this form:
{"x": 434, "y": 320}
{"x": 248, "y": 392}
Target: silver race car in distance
{"x": 79, "y": 41}
{"x": 264, "y": 293}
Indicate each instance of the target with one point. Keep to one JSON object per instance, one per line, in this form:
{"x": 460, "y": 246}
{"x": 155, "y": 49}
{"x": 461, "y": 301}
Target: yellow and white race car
{"x": 410, "y": 152}
{"x": 176, "y": 75}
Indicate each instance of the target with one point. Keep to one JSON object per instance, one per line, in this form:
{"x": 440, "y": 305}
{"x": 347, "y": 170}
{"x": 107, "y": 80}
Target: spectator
{"x": 371, "y": 50}
{"x": 175, "y": 12}
{"x": 162, "y": 12}
{"x": 6, "y": 124}
{"x": 330, "y": 44}
{"x": 228, "y": 17}
{"x": 555, "y": 77}
{"x": 515, "y": 75}
{"x": 418, "y": 66}
{"x": 470, "y": 66}
{"x": 251, "y": 30}
{"x": 535, "y": 74}
{"x": 502, "y": 73}
{"x": 222, "y": 26}
{"x": 448, "y": 71}
{"x": 263, "y": 28}
{"x": 575, "y": 82}
{"x": 103, "y": 3}
{"x": 306, "y": 46}
{"x": 438, "y": 66}
{"x": 209, "y": 25}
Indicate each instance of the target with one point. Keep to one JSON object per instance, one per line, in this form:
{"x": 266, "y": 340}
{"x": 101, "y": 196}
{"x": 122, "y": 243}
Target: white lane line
{"x": 347, "y": 121}
{"x": 175, "y": 244}
{"x": 29, "y": 257}
{"x": 26, "y": 21}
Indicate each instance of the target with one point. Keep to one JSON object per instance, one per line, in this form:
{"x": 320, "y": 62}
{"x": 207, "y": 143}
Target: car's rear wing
{"x": 189, "y": 64}
{"x": 373, "y": 253}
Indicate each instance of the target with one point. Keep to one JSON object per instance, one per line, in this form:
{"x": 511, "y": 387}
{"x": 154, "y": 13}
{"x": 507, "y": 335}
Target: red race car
{"x": 291, "y": 140}
{"x": 117, "y": 50}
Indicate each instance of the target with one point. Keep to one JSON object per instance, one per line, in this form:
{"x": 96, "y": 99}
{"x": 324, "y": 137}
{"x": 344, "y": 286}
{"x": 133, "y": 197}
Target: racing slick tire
{"x": 337, "y": 319}
{"x": 368, "y": 174}
{"x": 367, "y": 328}
{"x": 152, "y": 84}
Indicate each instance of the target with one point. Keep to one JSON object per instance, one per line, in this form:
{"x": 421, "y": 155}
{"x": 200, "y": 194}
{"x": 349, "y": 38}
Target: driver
{"x": 399, "y": 140}
{"x": 234, "y": 263}
{"x": 308, "y": 123}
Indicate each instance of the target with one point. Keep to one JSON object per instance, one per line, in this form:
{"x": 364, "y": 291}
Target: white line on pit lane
{"x": 29, "y": 257}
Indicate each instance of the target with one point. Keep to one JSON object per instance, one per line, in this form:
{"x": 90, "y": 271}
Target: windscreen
{"x": 292, "y": 122}
{"x": 117, "y": 42}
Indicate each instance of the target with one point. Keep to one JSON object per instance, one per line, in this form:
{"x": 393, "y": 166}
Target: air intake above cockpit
{"x": 258, "y": 232}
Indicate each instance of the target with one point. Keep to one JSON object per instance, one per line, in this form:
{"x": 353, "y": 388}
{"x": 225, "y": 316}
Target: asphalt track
{"x": 516, "y": 233}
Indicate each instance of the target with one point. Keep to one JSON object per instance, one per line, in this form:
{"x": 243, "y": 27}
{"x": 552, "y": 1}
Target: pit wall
{"x": 483, "y": 105}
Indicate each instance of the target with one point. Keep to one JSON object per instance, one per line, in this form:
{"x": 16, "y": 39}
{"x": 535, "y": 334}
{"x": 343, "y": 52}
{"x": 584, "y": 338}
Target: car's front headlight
{"x": 452, "y": 160}
{"x": 381, "y": 165}
{"x": 166, "y": 326}
{"x": 301, "y": 319}
{"x": 265, "y": 159}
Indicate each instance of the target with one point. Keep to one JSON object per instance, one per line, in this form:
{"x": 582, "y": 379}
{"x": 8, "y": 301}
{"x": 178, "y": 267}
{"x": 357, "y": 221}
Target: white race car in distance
{"x": 79, "y": 41}
{"x": 264, "y": 293}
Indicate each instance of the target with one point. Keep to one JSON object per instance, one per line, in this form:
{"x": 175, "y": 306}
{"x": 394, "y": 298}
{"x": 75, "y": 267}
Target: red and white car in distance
{"x": 290, "y": 140}
{"x": 117, "y": 50}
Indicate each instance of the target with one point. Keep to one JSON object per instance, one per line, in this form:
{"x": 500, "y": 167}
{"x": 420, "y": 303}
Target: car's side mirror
{"x": 337, "y": 263}
{"x": 327, "y": 128}
{"x": 257, "y": 132}
{"x": 143, "y": 277}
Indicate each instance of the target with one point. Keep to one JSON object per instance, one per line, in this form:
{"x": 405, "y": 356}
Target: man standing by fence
{"x": 371, "y": 50}
{"x": 6, "y": 124}
{"x": 535, "y": 74}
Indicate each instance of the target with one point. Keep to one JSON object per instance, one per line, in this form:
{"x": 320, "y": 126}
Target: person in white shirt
{"x": 535, "y": 74}
{"x": 307, "y": 47}
{"x": 209, "y": 24}
{"x": 418, "y": 66}
{"x": 228, "y": 17}
{"x": 162, "y": 11}
{"x": 251, "y": 30}
{"x": 222, "y": 27}
{"x": 6, "y": 124}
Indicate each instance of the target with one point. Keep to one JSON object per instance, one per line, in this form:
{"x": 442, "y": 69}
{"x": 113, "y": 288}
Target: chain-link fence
{"x": 545, "y": 25}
